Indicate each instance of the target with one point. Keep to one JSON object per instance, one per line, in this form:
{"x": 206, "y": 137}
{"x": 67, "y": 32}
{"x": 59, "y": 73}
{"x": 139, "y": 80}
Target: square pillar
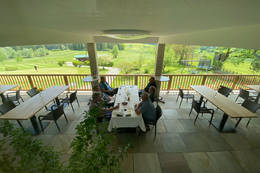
{"x": 159, "y": 67}
{"x": 91, "y": 47}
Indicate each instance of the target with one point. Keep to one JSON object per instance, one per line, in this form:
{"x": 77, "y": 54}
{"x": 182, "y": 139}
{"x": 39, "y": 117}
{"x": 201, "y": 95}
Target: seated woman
{"x": 98, "y": 105}
{"x": 104, "y": 96}
{"x": 152, "y": 93}
{"x": 150, "y": 83}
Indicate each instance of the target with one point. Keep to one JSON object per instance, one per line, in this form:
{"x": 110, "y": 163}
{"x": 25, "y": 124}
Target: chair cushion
{"x": 188, "y": 96}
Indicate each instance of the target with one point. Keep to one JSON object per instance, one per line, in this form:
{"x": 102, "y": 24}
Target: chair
{"x": 32, "y": 92}
{"x": 70, "y": 99}
{"x": 6, "y": 107}
{"x": 158, "y": 115}
{"x": 196, "y": 105}
{"x": 184, "y": 96}
{"x": 224, "y": 90}
{"x": 251, "y": 106}
{"x": 54, "y": 115}
{"x": 244, "y": 94}
{"x": 16, "y": 97}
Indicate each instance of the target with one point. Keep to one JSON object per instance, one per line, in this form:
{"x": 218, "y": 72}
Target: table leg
{"x": 223, "y": 122}
{"x": 20, "y": 124}
{"x": 223, "y": 125}
{"x": 35, "y": 125}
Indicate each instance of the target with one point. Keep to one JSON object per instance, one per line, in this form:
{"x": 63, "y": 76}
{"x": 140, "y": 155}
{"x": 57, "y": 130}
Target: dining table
{"x": 125, "y": 116}
{"x": 27, "y": 109}
{"x": 231, "y": 109}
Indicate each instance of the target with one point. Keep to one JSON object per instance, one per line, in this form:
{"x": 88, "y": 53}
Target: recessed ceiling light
{"x": 126, "y": 34}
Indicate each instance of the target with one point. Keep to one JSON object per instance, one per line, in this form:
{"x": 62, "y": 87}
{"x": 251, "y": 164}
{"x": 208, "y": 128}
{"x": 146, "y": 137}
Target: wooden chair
{"x": 196, "y": 105}
{"x": 15, "y": 98}
{"x": 154, "y": 123}
{"x": 54, "y": 115}
{"x": 32, "y": 92}
{"x": 184, "y": 96}
{"x": 224, "y": 90}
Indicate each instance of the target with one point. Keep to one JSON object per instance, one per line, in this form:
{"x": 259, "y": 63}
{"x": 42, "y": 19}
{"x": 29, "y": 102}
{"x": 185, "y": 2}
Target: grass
{"x": 47, "y": 64}
{"x": 134, "y": 59}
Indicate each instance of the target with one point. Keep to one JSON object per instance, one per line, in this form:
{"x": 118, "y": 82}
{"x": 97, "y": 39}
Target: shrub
{"x": 19, "y": 59}
{"x": 60, "y": 63}
{"x": 77, "y": 63}
{"x": 11, "y": 68}
{"x": 40, "y": 52}
{"x": 106, "y": 61}
{"x": 29, "y": 154}
{"x": 86, "y": 62}
{"x": 26, "y": 53}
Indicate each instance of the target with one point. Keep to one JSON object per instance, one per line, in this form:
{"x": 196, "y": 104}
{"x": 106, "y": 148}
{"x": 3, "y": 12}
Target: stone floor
{"x": 180, "y": 145}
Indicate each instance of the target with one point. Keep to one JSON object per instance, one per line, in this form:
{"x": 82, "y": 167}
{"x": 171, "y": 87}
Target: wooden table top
{"x": 31, "y": 106}
{"x": 4, "y": 88}
{"x": 254, "y": 87}
{"x": 225, "y": 104}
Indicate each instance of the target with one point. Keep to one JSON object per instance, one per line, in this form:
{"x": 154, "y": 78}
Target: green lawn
{"x": 134, "y": 59}
{"x": 47, "y": 64}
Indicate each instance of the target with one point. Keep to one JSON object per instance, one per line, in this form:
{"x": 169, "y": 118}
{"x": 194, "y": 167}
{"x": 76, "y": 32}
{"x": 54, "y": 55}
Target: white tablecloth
{"x": 125, "y": 92}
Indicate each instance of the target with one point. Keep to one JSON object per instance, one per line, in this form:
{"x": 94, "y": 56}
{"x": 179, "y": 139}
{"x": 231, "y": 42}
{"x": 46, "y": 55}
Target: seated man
{"x": 105, "y": 88}
{"x": 98, "y": 105}
{"x": 147, "y": 109}
{"x": 151, "y": 83}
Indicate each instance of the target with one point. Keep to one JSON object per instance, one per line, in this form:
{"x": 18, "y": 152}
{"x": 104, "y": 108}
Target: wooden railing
{"x": 75, "y": 81}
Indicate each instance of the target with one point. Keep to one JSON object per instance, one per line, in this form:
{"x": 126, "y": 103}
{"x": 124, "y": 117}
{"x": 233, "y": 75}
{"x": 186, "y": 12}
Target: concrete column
{"x": 159, "y": 66}
{"x": 93, "y": 62}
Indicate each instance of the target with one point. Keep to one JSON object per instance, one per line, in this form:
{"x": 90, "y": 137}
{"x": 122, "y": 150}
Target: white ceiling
{"x": 230, "y": 23}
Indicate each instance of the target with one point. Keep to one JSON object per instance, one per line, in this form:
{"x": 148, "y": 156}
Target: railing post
{"x": 169, "y": 83}
{"x": 66, "y": 80}
{"x": 203, "y": 80}
{"x": 30, "y": 80}
{"x": 235, "y": 82}
{"x": 136, "y": 80}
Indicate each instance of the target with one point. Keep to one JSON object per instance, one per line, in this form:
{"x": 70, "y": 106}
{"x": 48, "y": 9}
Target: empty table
{"x": 27, "y": 110}
{"x": 228, "y": 106}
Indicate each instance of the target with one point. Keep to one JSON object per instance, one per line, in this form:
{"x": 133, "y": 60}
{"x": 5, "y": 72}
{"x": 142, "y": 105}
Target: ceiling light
{"x": 127, "y": 34}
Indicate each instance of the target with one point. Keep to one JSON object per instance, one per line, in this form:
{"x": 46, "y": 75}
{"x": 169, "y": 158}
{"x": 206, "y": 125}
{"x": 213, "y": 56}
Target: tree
{"x": 220, "y": 57}
{"x": 182, "y": 52}
{"x": 168, "y": 56}
{"x": 121, "y": 46}
{"x": 255, "y": 64}
{"x": 115, "y": 51}
{"x": 3, "y": 55}
{"x": 19, "y": 59}
{"x": 27, "y": 53}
